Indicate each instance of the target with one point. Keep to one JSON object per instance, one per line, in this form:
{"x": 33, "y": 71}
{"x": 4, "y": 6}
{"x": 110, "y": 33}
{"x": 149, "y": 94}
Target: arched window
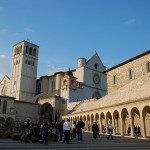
{"x": 15, "y": 51}
{"x": 34, "y": 52}
{"x": 4, "y": 90}
{"x": 65, "y": 82}
{"x": 20, "y": 49}
{"x": 30, "y": 51}
{"x": 131, "y": 74}
{"x": 4, "y": 107}
{"x": 148, "y": 66}
{"x": 26, "y": 49}
{"x": 96, "y": 95}
{"x": 53, "y": 85}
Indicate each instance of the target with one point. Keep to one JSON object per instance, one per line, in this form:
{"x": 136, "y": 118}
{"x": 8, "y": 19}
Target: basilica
{"x": 90, "y": 92}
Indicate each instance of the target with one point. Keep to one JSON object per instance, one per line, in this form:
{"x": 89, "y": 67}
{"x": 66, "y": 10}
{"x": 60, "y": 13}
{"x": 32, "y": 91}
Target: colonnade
{"x": 131, "y": 119}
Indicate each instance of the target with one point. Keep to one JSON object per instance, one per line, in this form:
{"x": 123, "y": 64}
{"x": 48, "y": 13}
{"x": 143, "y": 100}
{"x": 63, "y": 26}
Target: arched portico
{"x": 146, "y": 121}
{"x": 126, "y": 123}
{"x": 117, "y": 124}
{"x": 103, "y": 123}
{"x": 135, "y": 115}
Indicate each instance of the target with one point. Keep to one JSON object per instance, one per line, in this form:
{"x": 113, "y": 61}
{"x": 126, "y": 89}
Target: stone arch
{"x": 117, "y": 123}
{"x": 135, "y": 115}
{"x": 146, "y": 120}
{"x": 46, "y": 112}
{"x": 96, "y": 117}
{"x": 9, "y": 121}
{"x": 4, "y": 90}
{"x": 108, "y": 117}
{"x": 103, "y": 123}
{"x": 125, "y": 120}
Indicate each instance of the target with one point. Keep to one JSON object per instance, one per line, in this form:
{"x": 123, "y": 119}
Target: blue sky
{"x": 66, "y": 30}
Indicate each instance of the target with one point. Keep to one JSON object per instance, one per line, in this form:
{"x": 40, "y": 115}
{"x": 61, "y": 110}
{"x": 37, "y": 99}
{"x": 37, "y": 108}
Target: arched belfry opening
{"x": 46, "y": 112}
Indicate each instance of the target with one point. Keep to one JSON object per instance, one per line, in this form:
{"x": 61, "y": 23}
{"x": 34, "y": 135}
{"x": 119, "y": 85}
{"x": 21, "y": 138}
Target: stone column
{"x": 122, "y": 126}
{"x": 113, "y": 123}
{"x": 143, "y": 126}
{"x": 106, "y": 122}
{"x": 100, "y": 125}
{"x": 132, "y": 127}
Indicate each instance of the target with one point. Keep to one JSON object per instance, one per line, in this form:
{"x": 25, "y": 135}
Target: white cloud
{"x": 3, "y": 31}
{"x": 52, "y": 69}
{"x": 130, "y": 21}
{"x": 5, "y": 66}
{"x": 28, "y": 30}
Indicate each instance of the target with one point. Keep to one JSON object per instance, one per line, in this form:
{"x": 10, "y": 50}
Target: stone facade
{"x": 135, "y": 67}
{"x": 64, "y": 88}
{"x": 127, "y": 103}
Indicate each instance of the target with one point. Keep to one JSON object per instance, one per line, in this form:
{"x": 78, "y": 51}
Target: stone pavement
{"x": 119, "y": 143}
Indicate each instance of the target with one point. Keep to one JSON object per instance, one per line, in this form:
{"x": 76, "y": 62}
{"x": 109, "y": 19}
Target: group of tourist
{"x": 68, "y": 132}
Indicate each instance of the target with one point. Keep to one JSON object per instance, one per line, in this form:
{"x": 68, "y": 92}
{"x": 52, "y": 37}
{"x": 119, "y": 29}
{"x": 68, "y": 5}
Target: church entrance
{"x": 46, "y": 112}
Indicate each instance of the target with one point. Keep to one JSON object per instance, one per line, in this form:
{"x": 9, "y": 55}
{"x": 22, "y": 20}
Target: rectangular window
{"x": 131, "y": 75}
{"x": 114, "y": 79}
{"x": 148, "y": 66}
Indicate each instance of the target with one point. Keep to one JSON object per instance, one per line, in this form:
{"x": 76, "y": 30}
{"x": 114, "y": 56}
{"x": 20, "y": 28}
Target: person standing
{"x": 79, "y": 131}
{"x": 110, "y": 129}
{"x": 45, "y": 132}
{"x": 74, "y": 129}
{"x": 66, "y": 128}
{"x": 60, "y": 129}
{"x": 82, "y": 124}
{"x": 95, "y": 130}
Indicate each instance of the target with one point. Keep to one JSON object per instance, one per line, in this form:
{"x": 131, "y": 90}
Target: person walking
{"x": 66, "y": 128}
{"x": 110, "y": 130}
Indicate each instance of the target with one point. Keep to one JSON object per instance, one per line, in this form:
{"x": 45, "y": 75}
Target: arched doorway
{"x": 9, "y": 121}
{"x": 46, "y": 112}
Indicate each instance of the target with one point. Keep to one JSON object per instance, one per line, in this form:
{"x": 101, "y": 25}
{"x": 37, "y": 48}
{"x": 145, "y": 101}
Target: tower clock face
{"x": 96, "y": 79}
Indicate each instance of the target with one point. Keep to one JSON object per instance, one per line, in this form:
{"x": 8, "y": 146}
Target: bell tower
{"x": 24, "y": 70}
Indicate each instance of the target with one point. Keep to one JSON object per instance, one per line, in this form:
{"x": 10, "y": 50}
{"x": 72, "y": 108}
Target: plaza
{"x": 87, "y": 144}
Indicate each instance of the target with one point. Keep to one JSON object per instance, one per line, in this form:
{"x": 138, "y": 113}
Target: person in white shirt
{"x": 66, "y": 128}
{"x": 110, "y": 129}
